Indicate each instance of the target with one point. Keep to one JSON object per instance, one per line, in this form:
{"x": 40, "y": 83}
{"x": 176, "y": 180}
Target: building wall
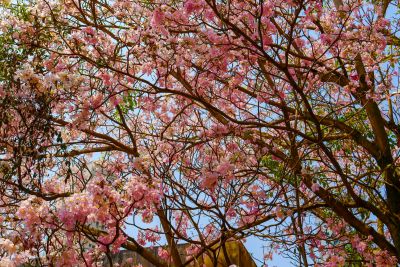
{"x": 215, "y": 257}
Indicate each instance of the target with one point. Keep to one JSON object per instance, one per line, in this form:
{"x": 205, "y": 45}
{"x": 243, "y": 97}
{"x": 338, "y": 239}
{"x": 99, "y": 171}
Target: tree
{"x": 213, "y": 120}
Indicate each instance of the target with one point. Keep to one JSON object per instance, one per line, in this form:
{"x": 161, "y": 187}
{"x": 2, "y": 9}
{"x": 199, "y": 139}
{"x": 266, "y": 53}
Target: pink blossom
{"x": 191, "y": 6}
{"x": 158, "y": 17}
{"x": 315, "y": 187}
{"x": 163, "y": 254}
{"x": 361, "y": 246}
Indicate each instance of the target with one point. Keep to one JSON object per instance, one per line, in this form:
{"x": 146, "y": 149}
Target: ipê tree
{"x": 200, "y": 121}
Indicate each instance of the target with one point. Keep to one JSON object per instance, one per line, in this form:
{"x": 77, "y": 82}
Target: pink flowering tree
{"x": 124, "y": 124}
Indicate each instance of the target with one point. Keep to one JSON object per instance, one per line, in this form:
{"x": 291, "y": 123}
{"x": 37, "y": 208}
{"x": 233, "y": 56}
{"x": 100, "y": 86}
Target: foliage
{"x": 126, "y": 123}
